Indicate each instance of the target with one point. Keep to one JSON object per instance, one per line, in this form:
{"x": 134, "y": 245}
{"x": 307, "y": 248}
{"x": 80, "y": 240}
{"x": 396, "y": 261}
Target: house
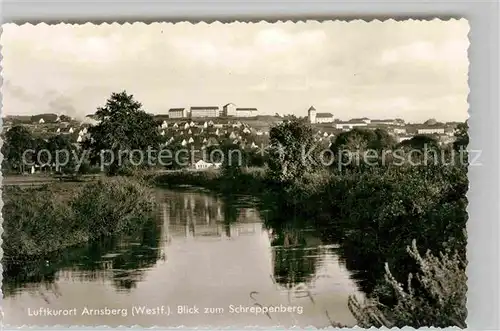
{"x": 399, "y": 130}
{"x": 324, "y": 118}
{"x": 201, "y": 165}
{"x": 41, "y": 121}
{"x": 246, "y": 112}
{"x": 177, "y": 113}
{"x": 349, "y": 125}
{"x": 184, "y": 142}
{"x": 212, "y": 142}
{"x": 403, "y": 138}
{"x": 191, "y": 140}
{"x": 384, "y": 122}
{"x": 229, "y": 110}
{"x": 186, "y": 126}
{"x": 197, "y": 112}
{"x": 431, "y": 130}
{"x": 175, "y": 126}
{"x": 192, "y": 124}
{"x": 164, "y": 125}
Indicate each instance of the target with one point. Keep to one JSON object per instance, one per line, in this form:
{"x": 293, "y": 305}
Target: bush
{"x": 113, "y": 205}
{"x": 437, "y": 300}
{"x": 40, "y": 220}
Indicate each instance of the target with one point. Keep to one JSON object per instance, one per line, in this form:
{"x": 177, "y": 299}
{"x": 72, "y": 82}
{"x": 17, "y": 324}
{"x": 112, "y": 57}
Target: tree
{"x": 63, "y": 144}
{"x": 233, "y": 159}
{"x": 123, "y": 127}
{"x": 17, "y": 140}
{"x": 461, "y": 136}
{"x": 420, "y": 142}
{"x": 290, "y": 141}
{"x": 352, "y": 146}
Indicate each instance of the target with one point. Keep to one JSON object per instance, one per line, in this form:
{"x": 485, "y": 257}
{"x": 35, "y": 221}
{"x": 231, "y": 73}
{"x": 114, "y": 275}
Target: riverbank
{"x": 44, "y": 219}
{"x": 374, "y": 214}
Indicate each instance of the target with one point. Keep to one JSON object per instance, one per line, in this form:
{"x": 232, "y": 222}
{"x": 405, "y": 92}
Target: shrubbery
{"x": 438, "y": 299}
{"x": 38, "y": 221}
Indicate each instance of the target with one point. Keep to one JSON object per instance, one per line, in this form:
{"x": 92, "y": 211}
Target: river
{"x": 204, "y": 251}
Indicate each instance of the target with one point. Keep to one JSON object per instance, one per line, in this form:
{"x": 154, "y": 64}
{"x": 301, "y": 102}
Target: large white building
{"x": 430, "y": 131}
{"x": 315, "y": 117}
{"x": 324, "y": 118}
{"x": 229, "y": 110}
{"x": 196, "y": 112}
{"x": 177, "y": 113}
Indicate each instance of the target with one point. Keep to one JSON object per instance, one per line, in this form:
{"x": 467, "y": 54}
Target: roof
{"x": 312, "y": 108}
{"x": 201, "y": 108}
{"x": 176, "y": 109}
{"x": 247, "y": 109}
{"x": 324, "y": 115}
{"x": 383, "y": 121}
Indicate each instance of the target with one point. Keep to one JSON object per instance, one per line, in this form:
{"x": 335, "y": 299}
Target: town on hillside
{"x": 203, "y": 127}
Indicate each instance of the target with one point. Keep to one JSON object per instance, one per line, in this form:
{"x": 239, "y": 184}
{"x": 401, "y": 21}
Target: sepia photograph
{"x": 309, "y": 174}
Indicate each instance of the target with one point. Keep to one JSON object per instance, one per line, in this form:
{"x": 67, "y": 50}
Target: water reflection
{"x": 200, "y": 248}
{"x": 119, "y": 259}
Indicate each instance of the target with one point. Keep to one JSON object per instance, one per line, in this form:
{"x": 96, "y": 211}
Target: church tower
{"x": 312, "y": 115}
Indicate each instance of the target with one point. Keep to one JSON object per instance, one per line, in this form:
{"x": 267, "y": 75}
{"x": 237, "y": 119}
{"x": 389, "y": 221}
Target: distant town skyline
{"x": 413, "y": 70}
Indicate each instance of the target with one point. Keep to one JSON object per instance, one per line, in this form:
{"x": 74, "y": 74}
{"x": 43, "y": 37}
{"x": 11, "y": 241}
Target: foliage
{"x": 359, "y": 148}
{"x": 461, "y": 136}
{"x": 123, "y": 127}
{"x": 18, "y": 139}
{"x": 289, "y": 142}
{"x": 112, "y": 205}
{"x": 233, "y": 160}
{"x": 420, "y": 142}
{"x": 439, "y": 300}
{"x": 61, "y": 143}
{"x": 40, "y": 220}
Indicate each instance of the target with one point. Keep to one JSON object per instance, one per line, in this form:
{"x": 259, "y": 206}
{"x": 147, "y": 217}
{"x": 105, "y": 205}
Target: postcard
{"x": 308, "y": 174}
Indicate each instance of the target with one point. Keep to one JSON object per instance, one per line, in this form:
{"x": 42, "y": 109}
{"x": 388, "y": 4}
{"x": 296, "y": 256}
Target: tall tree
{"x": 18, "y": 139}
{"x": 123, "y": 127}
{"x": 461, "y": 136}
{"x": 290, "y": 143}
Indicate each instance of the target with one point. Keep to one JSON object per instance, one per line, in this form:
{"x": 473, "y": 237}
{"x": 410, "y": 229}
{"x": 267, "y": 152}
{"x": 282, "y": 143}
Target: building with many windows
{"x": 431, "y": 130}
{"x": 324, "y": 118}
{"x": 177, "y": 113}
{"x": 196, "y": 112}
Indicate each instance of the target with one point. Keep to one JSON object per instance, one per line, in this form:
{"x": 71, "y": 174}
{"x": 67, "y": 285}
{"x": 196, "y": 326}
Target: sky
{"x": 413, "y": 70}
